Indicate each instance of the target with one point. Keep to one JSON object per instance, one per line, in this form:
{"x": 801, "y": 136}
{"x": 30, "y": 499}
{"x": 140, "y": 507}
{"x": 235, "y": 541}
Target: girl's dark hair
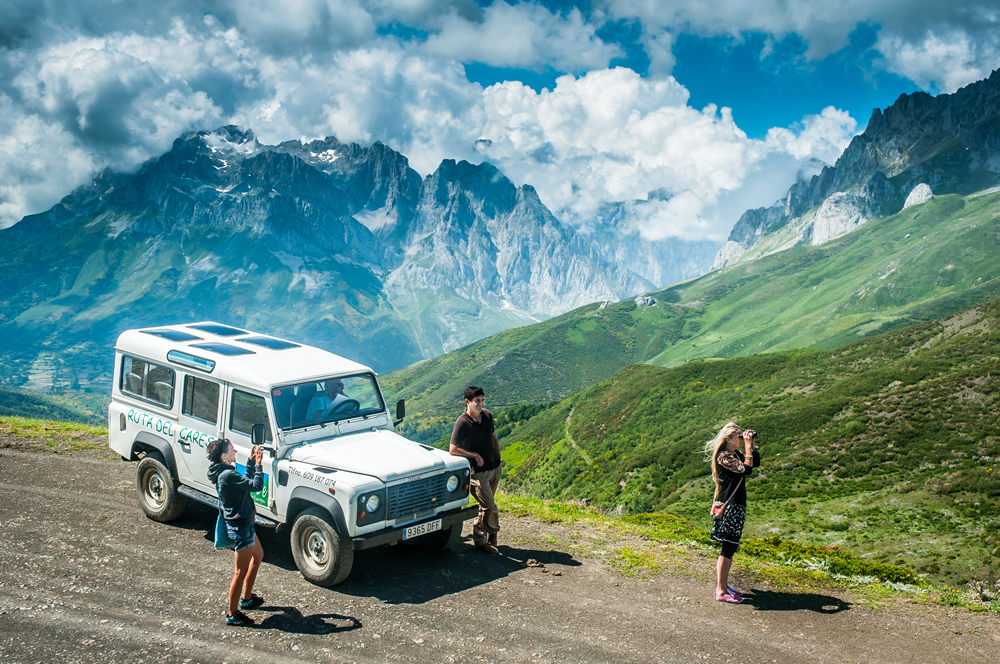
{"x": 217, "y": 448}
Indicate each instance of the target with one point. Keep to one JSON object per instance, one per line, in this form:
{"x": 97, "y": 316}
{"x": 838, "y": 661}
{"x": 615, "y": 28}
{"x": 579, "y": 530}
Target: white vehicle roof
{"x": 256, "y": 365}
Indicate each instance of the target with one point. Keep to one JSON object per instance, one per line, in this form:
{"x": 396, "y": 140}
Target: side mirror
{"x": 400, "y": 411}
{"x": 257, "y": 434}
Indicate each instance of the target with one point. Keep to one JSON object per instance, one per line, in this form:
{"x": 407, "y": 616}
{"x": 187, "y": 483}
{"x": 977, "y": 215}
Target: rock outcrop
{"x": 920, "y": 194}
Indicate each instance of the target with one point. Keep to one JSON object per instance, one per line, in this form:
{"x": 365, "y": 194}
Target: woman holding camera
{"x": 239, "y": 511}
{"x": 730, "y": 469}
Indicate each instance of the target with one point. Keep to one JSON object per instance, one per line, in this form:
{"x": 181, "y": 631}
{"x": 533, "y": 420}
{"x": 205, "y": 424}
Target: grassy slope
{"x": 889, "y": 445}
{"x": 84, "y": 407}
{"x": 928, "y": 261}
{"x": 807, "y": 297}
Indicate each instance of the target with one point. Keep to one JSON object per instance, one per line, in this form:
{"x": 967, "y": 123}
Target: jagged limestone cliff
{"x": 948, "y": 143}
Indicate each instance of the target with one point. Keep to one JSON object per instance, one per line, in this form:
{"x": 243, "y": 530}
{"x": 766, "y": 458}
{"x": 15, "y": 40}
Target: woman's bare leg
{"x": 257, "y": 555}
{"x": 243, "y": 558}
{"x": 722, "y": 574}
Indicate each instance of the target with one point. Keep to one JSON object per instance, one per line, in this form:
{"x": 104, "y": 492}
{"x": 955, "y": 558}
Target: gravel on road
{"x": 86, "y": 577}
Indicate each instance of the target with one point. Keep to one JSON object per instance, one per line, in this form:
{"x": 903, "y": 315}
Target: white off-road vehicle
{"x": 335, "y": 471}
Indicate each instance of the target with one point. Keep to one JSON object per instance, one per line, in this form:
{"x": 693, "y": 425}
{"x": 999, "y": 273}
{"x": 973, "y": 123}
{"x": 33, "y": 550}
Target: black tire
{"x": 322, "y": 556}
{"x": 445, "y": 539}
{"x": 157, "y": 490}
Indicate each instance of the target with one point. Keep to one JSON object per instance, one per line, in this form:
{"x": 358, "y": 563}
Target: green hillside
{"x": 889, "y": 446}
{"x": 68, "y": 406}
{"x": 928, "y": 261}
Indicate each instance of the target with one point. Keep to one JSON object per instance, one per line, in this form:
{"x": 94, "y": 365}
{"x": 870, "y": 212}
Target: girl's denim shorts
{"x": 242, "y": 536}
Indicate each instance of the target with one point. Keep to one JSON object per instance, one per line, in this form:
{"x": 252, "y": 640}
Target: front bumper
{"x": 393, "y": 535}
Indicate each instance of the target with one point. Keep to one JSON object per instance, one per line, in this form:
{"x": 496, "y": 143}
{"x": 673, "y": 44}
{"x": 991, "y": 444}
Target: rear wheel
{"x": 157, "y": 489}
{"x": 324, "y": 557}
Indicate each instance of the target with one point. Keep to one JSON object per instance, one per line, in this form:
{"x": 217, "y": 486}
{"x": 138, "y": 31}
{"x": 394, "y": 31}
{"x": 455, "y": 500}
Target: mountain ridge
{"x": 949, "y": 143}
{"x": 341, "y": 245}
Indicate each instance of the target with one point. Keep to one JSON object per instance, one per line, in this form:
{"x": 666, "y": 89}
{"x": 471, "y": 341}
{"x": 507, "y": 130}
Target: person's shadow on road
{"x": 290, "y": 619}
{"x": 770, "y": 600}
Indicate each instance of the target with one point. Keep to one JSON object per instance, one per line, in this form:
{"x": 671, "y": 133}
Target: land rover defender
{"x": 335, "y": 472}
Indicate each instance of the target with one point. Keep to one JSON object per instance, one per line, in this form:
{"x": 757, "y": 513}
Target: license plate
{"x": 422, "y": 529}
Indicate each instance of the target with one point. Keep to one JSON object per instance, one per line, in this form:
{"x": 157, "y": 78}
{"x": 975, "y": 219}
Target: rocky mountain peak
{"x": 949, "y": 143}
{"x": 339, "y": 244}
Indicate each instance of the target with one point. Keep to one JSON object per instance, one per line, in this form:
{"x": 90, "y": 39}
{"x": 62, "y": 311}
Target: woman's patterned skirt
{"x": 730, "y": 527}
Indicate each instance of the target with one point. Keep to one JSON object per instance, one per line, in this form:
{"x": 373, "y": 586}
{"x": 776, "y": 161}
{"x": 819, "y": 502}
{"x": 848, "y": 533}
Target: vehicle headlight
{"x": 452, "y": 483}
{"x": 372, "y": 503}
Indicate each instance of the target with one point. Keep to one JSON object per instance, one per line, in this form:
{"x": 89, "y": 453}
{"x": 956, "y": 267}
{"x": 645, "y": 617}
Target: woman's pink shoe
{"x": 726, "y": 597}
{"x": 734, "y": 592}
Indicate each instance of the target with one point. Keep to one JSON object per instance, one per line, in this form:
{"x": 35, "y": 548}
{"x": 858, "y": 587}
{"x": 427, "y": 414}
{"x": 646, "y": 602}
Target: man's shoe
{"x": 239, "y": 619}
{"x": 487, "y": 548}
{"x": 252, "y": 603}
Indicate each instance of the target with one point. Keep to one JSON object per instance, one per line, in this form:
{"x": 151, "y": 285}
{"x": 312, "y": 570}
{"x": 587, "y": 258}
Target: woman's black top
{"x": 234, "y": 491}
{"x": 731, "y": 470}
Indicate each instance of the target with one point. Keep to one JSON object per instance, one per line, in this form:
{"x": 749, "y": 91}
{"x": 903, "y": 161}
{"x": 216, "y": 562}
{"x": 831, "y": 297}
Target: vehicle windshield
{"x": 318, "y": 402}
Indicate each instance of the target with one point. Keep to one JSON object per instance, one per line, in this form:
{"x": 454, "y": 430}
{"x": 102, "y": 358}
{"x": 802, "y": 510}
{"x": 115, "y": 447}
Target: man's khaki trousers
{"x": 484, "y": 486}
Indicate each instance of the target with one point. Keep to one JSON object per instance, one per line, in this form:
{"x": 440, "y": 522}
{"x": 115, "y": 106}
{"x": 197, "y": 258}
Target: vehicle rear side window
{"x": 246, "y": 411}
{"x": 201, "y": 399}
{"x": 148, "y": 381}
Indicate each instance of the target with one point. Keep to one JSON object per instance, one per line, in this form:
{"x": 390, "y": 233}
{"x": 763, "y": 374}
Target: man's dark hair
{"x": 217, "y": 448}
{"x": 471, "y": 392}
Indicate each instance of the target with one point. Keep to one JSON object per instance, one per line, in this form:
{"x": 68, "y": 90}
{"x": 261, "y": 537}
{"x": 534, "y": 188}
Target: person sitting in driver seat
{"x": 322, "y": 405}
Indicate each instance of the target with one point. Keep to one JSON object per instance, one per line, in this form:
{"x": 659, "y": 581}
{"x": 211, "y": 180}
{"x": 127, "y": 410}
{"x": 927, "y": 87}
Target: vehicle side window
{"x": 247, "y": 410}
{"x": 148, "y": 381}
{"x": 201, "y": 399}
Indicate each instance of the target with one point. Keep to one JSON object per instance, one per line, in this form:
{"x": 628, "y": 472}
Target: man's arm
{"x": 455, "y": 450}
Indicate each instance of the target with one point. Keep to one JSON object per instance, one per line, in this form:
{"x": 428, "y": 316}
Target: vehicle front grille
{"x": 418, "y": 496}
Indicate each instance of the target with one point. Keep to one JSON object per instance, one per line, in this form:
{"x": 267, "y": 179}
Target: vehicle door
{"x": 199, "y": 420}
{"x": 247, "y": 408}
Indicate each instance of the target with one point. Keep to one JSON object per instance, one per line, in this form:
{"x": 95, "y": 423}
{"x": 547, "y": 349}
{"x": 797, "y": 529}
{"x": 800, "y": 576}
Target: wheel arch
{"x": 145, "y": 443}
{"x": 303, "y": 498}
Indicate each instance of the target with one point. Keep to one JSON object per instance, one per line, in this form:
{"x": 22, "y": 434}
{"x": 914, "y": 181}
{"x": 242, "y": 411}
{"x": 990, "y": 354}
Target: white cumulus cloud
{"x": 612, "y": 135}
{"x": 86, "y": 84}
{"x": 945, "y": 61}
{"x": 525, "y": 36}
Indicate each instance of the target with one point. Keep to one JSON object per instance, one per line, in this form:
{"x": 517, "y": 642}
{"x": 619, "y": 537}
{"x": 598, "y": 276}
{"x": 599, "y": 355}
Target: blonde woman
{"x": 730, "y": 469}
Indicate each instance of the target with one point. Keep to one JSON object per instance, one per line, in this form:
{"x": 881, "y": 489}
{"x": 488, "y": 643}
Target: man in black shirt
{"x": 474, "y": 439}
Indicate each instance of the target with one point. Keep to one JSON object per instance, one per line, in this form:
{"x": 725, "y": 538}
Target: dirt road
{"x": 85, "y": 577}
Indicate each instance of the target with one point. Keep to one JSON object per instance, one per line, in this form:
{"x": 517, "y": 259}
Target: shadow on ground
{"x": 289, "y": 619}
{"x": 399, "y": 574}
{"x": 407, "y": 575}
{"x": 769, "y": 600}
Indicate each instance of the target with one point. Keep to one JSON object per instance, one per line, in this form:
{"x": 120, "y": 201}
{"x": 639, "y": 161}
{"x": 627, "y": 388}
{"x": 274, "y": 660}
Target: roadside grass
{"x": 52, "y": 436}
{"x": 643, "y": 545}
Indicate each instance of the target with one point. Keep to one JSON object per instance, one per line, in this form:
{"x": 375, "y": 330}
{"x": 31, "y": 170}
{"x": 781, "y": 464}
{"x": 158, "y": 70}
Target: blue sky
{"x": 716, "y": 105}
{"x": 775, "y": 90}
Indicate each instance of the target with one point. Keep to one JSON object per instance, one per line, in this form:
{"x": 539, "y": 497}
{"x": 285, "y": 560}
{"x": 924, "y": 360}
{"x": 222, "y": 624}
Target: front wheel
{"x": 157, "y": 490}
{"x": 324, "y": 557}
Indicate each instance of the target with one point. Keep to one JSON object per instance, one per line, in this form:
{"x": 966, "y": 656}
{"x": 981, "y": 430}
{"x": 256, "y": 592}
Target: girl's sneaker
{"x": 239, "y": 619}
{"x": 252, "y": 603}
